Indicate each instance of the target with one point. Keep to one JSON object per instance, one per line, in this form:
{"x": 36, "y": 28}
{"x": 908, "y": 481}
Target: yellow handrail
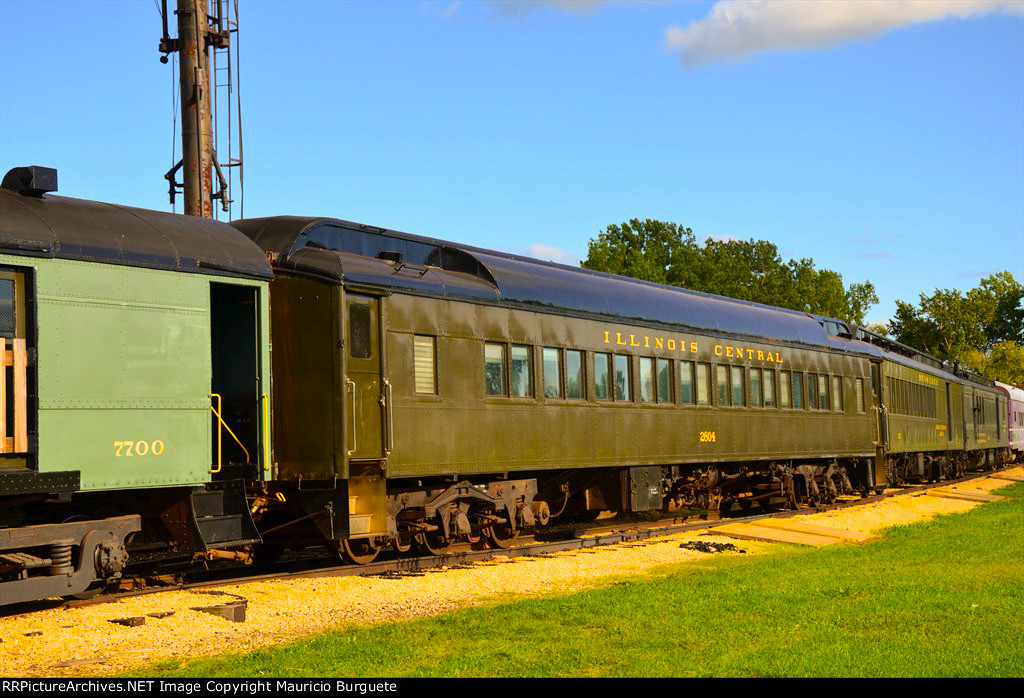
{"x": 216, "y": 411}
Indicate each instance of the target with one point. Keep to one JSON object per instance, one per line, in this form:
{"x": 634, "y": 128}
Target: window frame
{"x": 531, "y": 392}
{"x": 558, "y": 372}
{"x": 582, "y": 375}
{"x": 503, "y": 346}
{"x": 433, "y": 361}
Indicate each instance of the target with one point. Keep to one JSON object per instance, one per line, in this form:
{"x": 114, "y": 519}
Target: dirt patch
{"x": 84, "y": 641}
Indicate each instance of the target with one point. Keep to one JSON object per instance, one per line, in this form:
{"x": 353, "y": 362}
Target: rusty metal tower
{"x": 204, "y": 28}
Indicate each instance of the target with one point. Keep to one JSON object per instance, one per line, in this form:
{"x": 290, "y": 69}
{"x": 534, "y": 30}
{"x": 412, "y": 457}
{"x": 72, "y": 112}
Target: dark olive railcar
{"x": 429, "y": 391}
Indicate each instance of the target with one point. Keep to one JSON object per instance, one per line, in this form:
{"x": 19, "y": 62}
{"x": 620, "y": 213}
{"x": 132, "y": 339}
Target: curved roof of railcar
{"x": 497, "y": 277}
{"x": 1014, "y": 393}
{"x": 464, "y": 272}
{"x": 61, "y": 227}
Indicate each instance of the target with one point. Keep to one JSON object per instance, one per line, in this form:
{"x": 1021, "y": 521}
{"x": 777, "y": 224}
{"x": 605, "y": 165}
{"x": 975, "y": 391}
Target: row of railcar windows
{"x": 912, "y": 399}
{"x": 508, "y": 372}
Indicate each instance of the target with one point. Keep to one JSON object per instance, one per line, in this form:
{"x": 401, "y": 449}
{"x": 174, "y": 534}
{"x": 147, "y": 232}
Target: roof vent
{"x": 31, "y": 181}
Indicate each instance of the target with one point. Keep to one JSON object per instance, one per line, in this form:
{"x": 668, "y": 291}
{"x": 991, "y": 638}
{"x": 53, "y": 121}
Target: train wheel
{"x": 94, "y": 590}
{"x": 360, "y": 551}
{"x": 402, "y": 543}
{"x": 433, "y": 543}
{"x": 501, "y": 536}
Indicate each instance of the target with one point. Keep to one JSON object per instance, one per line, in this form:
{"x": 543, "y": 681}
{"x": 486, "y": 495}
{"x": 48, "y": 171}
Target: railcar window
{"x": 722, "y": 382}
{"x": 646, "y": 379}
{"x": 602, "y": 376}
{"x": 703, "y": 384}
{"x": 859, "y": 388}
{"x": 623, "y": 379}
{"x": 494, "y": 368}
{"x": 737, "y": 386}
{"x": 769, "y": 387}
{"x": 837, "y": 393}
{"x": 686, "y": 395}
{"x": 785, "y": 382}
{"x": 798, "y": 391}
{"x": 823, "y": 393}
{"x": 424, "y": 367}
{"x": 755, "y": 387}
{"x": 7, "y": 308}
{"x": 520, "y": 378}
{"x": 552, "y": 372}
{"x": 812, "y": 391}
{"x": 574, "y": 374}
{"x": 665, "y": 380}
{"x": 359, "y": 330}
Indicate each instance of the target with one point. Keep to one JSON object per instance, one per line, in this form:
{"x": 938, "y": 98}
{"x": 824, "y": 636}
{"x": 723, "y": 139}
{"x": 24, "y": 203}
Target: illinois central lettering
{"x": 624, "y": 339}
{"x": 728, "y": 351}
{"x": 737, "y": 352}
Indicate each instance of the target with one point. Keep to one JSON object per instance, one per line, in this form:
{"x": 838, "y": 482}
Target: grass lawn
{"x": 943, "y": 598}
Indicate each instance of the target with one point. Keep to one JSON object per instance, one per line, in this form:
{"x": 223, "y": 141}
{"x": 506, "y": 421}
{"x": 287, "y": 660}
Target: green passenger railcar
{"x": 125, "y": 333}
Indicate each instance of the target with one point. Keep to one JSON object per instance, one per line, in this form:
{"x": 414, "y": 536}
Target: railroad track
{"x": 543, "y": 543}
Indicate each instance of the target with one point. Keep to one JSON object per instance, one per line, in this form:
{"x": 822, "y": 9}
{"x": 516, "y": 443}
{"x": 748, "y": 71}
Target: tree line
{"x": 982, "y": 328}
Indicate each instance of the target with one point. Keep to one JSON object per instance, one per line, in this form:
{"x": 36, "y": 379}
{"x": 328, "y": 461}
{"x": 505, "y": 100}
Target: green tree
{"x": 1004, "y": 363}
{"x": 649, "y": 250}
{"x": 750, "y": 270}
{"x": 966, "y": 327}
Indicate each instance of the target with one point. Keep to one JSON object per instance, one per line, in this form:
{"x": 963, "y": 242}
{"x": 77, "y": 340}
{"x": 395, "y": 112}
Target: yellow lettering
{"x": 632, "y": 341}
{"x": 693, "y": 347}
{"x": 659, "y": 343}
{"x": 647, "y": 341}
{"x": 739, "y": 352}
{"x": 760, "y": 355}
{"x": 718, "y": 350}
{"x": 618, "y": 339}
{"x": 606, "y": 340}
{"x": 750, "y": 353}
{"x": 778, "y": 358}
{"x": 728, "y": 352}
{"x": 671, "y": 345}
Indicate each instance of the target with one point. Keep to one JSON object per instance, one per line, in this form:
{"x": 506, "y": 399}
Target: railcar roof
{"x": 514, "y": 280}
{"x": 1014, "y": 393}
{"x": 356, "y": 254}
{"x": 61, "y": 227}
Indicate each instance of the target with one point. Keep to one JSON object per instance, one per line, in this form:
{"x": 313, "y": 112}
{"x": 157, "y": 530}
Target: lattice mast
{"x": 203, "y": 27}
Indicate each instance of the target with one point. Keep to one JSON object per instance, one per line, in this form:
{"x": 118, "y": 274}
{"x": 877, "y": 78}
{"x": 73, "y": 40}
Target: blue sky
{"x": 883, "y": 140}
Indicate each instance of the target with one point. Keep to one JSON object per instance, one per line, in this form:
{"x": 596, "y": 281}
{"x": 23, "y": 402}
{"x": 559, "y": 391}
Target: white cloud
{"x": 551, "y": 254}
{"x": 736, "y": 28}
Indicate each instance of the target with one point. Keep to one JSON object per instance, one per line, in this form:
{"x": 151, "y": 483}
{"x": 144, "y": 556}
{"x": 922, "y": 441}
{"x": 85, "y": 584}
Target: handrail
{"x": 266, "y": 434}
{"x": 352, "y": 387}
{"x": 220, "y": 420}
{"x": 389, "y": 399}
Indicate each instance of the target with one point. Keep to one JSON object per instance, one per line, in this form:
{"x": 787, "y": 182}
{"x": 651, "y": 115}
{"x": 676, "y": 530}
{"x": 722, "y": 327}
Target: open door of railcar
{"x": 16, "y": 378}
{"x": 239, "y": 398}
